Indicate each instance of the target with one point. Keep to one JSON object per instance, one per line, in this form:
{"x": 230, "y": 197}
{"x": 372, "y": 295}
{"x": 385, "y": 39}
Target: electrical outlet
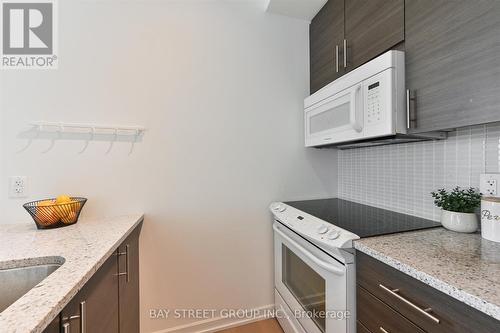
{"x": 18, "y": 187}
{"x": 488, "y": 184}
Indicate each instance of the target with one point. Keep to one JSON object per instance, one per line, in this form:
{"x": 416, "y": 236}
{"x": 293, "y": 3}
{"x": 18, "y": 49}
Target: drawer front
{"x": 419, "y": 302}
{"x": 360, "y": 328}
{"x": 380, "y": 318}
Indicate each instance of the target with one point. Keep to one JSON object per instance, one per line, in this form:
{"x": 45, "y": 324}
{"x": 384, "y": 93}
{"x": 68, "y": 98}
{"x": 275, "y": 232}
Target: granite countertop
{"x": 464, "y": 266}
{"x": 81, "y": 249}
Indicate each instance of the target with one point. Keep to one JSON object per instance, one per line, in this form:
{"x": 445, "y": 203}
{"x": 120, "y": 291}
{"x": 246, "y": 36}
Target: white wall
{"x": 220, "y": 86}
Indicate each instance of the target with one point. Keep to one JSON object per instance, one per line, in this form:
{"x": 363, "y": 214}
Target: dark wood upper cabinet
{"x": 326, "y": 34}
{"x": 371, "y": 28}
{"x": 129, "y": 283}
{"x": 453, "y": 62}
{"x": 347, "y": 33}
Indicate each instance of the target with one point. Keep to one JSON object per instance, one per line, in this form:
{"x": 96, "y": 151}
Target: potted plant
{"x": 458, "y": 208}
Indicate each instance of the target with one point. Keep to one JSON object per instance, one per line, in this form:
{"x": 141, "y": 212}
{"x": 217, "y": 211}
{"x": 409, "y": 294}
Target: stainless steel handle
{"x": 82, "y": 316}
{"x": 410, "y": 119}
{"x": 408, "y": 108}
{"x": 425, "y": 312}
{"x": 383, "y": 330}
{"x": 127, "y": 262}
{"x": 337, "y": 58}
{"x": 345, "y": 53}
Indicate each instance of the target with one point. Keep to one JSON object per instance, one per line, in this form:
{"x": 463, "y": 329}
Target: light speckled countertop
{"x": 464, "y": 266}
{"x": 81, "y": 249}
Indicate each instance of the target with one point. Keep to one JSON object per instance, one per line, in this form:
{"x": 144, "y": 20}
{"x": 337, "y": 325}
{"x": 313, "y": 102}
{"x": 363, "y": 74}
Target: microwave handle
{"x": 312, "y": 257}
{"x": 355, "y": 115}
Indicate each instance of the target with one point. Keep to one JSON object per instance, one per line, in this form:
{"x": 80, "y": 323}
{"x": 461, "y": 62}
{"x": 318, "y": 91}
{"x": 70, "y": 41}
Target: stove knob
{"x": 333, "y": 235}
{"x": 322, "y": 229}
{"x": 277, "y": 207}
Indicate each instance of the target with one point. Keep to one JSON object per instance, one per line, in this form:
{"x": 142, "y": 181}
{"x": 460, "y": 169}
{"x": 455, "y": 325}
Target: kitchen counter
{"x": 81, "y": 249}
{"x": 463, "y": 266}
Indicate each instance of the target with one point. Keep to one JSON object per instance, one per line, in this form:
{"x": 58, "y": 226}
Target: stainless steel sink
{"x": 15, "y": 282}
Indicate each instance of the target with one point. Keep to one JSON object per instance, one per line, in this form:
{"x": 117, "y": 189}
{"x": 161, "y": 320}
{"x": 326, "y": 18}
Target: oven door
{"x": 312, "y": 283}
{"x": 337, "y": 118}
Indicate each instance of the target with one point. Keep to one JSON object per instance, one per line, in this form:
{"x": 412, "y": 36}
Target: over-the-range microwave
{"x": 365, "y": 107}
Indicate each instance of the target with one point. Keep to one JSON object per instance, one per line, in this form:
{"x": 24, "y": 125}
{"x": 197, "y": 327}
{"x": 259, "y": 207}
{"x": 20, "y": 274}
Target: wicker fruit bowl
{"x": 55, "y": 213}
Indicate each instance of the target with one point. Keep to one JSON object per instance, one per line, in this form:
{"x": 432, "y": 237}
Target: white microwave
{"x": 366, "y": 103}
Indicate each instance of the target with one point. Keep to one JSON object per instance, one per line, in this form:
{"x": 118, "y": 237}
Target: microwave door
{"x": 338, "y": 118}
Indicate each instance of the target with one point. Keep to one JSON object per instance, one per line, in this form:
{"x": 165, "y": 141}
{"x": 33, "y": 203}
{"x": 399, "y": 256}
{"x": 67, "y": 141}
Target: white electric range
{"x": 315, "y": 276}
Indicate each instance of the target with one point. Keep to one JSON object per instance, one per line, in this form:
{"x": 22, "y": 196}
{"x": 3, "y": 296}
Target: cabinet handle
{"x": 383, "y": 330}
{"x": 410, "y": 119}
{"x": 408, "y": 108}
{"x": 425, "y": 312}
{"x": 127, "y": 262}
{"x": 345, "y": 53}
{"x": 337, "y": 58}
{"x": 82, "y": 316}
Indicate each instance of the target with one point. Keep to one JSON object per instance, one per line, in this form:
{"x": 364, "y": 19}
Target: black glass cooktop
{"x": 364, "y": 221}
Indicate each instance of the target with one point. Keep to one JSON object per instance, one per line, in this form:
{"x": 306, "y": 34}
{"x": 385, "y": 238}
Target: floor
{"x": 263, "y": 326}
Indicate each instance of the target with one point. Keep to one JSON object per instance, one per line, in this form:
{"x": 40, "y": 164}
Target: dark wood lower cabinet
{"x": 109, "y": 301}
{"x": 361, "y": 328}
{"x": 382, "y": 289}
{"x": 72, "y": 317}
{"x": 129, "y": 284}
{"x": 54, "y": 326}
{"x": 378, "y": 317}
{"x": 100, "y": 295}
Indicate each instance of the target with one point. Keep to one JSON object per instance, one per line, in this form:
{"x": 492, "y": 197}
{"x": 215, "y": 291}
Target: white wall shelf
{"x": 54, "y": 131}
{"x": 90, "y": 128}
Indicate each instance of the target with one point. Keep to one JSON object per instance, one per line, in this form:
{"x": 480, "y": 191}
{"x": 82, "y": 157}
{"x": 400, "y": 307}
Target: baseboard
{"x": 220, "y": 323}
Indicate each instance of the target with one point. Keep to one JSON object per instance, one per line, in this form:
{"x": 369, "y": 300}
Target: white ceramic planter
{"x": 459, "y": 222}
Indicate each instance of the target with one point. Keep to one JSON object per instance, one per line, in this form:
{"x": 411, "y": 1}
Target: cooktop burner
{"x": 363, "y": 220}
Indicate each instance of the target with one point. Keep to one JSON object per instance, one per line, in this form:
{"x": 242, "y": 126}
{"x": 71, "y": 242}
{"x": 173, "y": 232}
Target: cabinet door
{"x": 361, "y": 328}
{"x": 54, "y": 326}
{"x": 378, "y": 317}
{"x": 129, "y": 283}
{"x": 454, "y": 316}
{"x": 101, "y": 297}
{"x": 452, "y": 62}
{"x": 71, "y": 315}
{"x": 326, "y": 34}
{"x": 371, "y": 28}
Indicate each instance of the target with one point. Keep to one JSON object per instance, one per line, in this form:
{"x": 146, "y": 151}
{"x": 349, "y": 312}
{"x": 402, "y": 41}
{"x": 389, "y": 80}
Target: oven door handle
{"x": 326, "y": 266}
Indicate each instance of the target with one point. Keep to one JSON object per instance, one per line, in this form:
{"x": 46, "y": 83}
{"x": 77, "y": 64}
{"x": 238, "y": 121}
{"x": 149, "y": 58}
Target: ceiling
{"x": 301, "y": 9}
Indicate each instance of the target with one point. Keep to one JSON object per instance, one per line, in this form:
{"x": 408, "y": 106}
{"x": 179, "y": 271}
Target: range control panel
{"x": 323, "y": 234}
{"x": 373, "y": 110}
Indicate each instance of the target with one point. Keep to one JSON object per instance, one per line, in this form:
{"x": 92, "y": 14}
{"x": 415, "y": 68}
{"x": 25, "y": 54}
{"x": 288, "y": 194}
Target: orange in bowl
{"x": 58, "y": 212}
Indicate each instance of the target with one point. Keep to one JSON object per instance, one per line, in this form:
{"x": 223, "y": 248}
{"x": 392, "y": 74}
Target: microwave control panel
{"x": 373, "y": 104}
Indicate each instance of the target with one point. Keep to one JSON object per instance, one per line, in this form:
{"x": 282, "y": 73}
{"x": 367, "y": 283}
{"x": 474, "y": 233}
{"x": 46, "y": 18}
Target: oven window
{"x": 306, "y": 285}
{"x": 335, "y": 117}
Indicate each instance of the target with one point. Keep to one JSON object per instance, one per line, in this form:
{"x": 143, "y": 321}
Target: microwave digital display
{"x": 373, "y": 85}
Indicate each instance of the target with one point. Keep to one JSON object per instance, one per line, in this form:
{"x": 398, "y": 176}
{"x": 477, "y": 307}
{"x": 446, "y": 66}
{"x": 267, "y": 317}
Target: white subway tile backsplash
{"x": 401, "y": 177}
